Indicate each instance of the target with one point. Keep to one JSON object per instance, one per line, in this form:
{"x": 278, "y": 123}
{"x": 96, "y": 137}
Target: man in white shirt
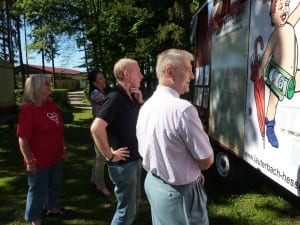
{"x": 174, "y": 146}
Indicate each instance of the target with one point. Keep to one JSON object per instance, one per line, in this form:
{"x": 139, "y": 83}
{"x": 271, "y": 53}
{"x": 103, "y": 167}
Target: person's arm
{"x": 65, "y": 150}
{"x": 96, "y": 97}
{"x": 99, "y": 134}
{"x": 196, "y": 139}
{"x": 294, "y": 16}
{"x": 204, "y": 164}
{"x": 137, "y": 93}
{"x": 25, "y": 150}
{"x": 267, "y": 54}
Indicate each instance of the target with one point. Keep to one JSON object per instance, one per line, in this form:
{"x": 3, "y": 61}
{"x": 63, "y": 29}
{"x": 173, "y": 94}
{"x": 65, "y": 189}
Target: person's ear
{"x": 126, "y": 74}
{"x": 168, "y": 71}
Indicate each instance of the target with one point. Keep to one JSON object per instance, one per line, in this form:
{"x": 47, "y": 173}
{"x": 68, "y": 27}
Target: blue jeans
{"x": 176, "y": 205}
{"x": 127, "y": 181}
{"x": 43, "y": 190}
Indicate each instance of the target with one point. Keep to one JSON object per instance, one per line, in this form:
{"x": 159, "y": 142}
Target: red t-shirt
{"x": 42, "y": 126}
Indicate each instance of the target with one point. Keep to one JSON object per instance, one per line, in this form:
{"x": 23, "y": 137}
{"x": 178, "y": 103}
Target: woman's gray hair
{"x": 171, "y": 57}
{"x": 32, "y": 90}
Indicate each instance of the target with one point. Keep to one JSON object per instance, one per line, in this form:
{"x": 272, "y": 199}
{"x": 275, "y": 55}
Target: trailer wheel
{"x": 224, "y": 165}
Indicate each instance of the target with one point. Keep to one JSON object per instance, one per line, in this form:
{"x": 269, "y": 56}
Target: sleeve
{"x": 96, "y": 97}
{"x": 193, "y": 135}
{"x": 109, "y": 108}
{"x": 24, "y": 128}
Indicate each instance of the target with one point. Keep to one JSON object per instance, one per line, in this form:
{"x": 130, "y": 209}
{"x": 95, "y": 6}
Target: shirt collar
{"x": 120, "y": 89}
{"x": 168, "y": 90}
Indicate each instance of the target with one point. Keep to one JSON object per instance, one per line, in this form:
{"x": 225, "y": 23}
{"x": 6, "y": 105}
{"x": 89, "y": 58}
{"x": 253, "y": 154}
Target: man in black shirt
{"x": 114, "y": 132}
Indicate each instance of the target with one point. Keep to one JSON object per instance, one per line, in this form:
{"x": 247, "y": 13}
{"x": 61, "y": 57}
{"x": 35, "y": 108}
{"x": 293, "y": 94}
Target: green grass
{"x": 251, "y": 200}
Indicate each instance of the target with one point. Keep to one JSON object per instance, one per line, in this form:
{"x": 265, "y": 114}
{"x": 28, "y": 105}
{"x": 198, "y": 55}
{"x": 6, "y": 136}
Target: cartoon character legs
{"x": 271, "y": 133}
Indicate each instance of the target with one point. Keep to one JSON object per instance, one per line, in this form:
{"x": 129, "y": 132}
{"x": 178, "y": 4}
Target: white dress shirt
{"x": 171, "y": 137}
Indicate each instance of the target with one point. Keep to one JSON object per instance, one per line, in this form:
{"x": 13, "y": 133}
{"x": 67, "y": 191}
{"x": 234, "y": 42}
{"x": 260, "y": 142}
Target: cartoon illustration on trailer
{"x": 259, "y": 84}
{"x": 278, "y": 66}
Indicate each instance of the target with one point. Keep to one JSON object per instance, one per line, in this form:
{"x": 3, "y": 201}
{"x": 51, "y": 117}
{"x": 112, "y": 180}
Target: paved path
{"x": 75, "y": 99}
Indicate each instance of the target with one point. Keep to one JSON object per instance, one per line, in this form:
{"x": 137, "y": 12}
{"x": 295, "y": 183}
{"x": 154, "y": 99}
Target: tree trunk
{"x": 18, "y": 27}
{"x": 9, "y": 38}
{"x": 26, "y": 54}
{"x": 52, "y": 59}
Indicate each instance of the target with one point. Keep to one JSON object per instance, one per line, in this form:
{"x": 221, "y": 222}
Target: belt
{"x": 180, "y": 185}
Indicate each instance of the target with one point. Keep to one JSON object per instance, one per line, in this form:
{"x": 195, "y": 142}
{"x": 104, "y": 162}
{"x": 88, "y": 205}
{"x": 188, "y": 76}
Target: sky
{"x": 70, "y": 56}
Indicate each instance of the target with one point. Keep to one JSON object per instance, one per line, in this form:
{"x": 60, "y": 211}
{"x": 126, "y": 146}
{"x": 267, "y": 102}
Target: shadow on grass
{"x": 92, "y": 209}
{"x": 12, "y": 175}
{"x": 262, "y": 195}
{"x": 77, "y": 193}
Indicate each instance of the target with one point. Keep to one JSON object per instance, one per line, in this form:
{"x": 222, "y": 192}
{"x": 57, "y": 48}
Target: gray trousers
{"x": 97, "y": 174}
{"x": 176, "y": 204}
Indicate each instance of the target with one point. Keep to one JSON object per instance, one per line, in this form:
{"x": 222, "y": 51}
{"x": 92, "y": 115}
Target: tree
{"x": 10, "y": 41}
{"x": 142, "y": 29}
{"x": 106, "y": 29}
{"x": 49, "y": 21}
{"x": 134, "y": 28}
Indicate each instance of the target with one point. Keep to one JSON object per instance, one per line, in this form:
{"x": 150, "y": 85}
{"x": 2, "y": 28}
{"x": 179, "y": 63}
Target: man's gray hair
{"x": 171, "y": 57}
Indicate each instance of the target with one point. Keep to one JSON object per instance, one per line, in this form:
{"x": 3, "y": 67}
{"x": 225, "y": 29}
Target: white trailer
{"x": 246, "y": 87}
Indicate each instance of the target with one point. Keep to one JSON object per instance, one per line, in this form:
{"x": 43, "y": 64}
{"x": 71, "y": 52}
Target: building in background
{"x": 64, "y": 78}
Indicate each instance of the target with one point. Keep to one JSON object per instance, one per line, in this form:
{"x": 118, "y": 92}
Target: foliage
{"x": 10, "y": 44}
{"x": 106, "y": 30}
{"x": 86, "y": 91}
{"x": 60, "y": 96}
{"x": 48, "y": 21}
{"x": 19, "y": 95}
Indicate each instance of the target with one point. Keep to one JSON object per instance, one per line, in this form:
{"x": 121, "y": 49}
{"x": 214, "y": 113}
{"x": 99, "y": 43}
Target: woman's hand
{"x": 31, "y": 167}
{"x": 65, "y": 153}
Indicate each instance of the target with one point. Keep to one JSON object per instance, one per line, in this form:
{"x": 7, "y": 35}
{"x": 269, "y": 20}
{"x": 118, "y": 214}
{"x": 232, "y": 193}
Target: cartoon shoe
{"x": 271, "y": 133}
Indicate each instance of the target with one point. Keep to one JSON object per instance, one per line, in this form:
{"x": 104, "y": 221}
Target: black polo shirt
{"x": 120, "y": 112}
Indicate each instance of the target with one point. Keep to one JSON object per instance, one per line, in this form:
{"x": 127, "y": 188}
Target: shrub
{"x": 86, "y": 91}
{"x": 19, "y": 96}
{"x": 60, "y": 97}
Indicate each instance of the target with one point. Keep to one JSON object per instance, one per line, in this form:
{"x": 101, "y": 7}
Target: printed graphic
{"x": 279, "y": 62}
{"x": 54, "y": 117}
{"x": 259, "y": 84}
{"x": 254, "y": 77}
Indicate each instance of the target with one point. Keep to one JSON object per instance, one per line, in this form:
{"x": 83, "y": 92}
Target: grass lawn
{"x": 252, "y": 200}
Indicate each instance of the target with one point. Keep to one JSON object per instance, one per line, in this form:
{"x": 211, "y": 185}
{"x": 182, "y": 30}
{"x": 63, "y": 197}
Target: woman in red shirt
{"x": 41, "y": 139}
